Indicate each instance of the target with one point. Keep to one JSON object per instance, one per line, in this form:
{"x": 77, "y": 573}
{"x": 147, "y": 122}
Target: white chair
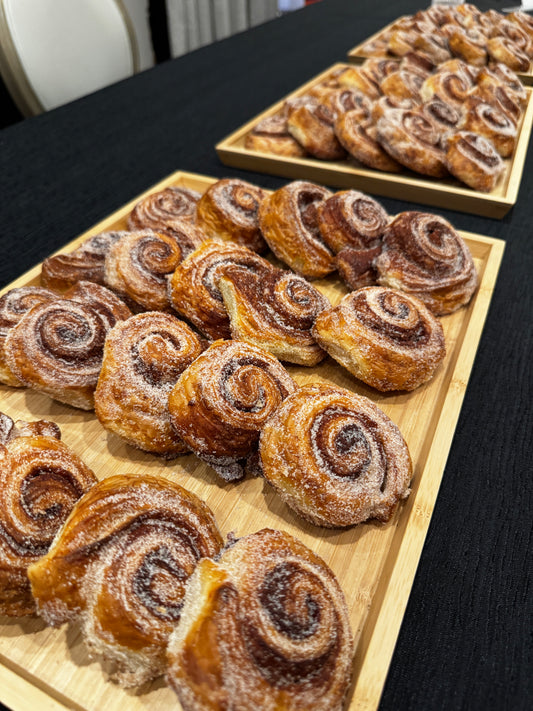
{"x": 54, "y": 51}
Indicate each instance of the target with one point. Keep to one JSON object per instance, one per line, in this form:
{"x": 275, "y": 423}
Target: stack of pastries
{"x": 436, "y": 118}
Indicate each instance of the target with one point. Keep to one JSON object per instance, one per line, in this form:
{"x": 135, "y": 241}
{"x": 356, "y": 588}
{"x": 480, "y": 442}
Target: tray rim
{"x": 394, "y": 185}
{"x": 380, "y": 631}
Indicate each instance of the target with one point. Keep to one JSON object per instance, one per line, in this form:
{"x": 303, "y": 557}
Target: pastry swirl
{"x": 40, "y": 481}
{"x": 388, "y": 339}
{"x": 288, "y": 221}
{"x": 13, "y": 305}
{"x": 156, "y": 210}
{"x": 351, "y": 219}
{"x": 143, "y": 358}
{"x": 335, "y": 457}
{"x": 120, "y": 566}
{"x": 503, "y": 49}
{"x": 452, "y": 83}
{"x": 193, "y": 287}
{"x": 271, "y": 135}
{"x": 425, "y": 256}
{"x": 222, "y": 400}
{"x": 359, "y": 139}
{"x": 312, "y": 126}
{"x": 474, "y": 160}
{"x": 266, "y": 626}
{"x": 487, "y": 120}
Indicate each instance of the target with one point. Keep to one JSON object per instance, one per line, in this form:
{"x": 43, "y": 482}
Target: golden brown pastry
{"x": 40, "y": 481}
{"x": 120, "y": 566}
{"x": 387, "y": 338}
{"x": 154, "y": 211}
{"x": 312, "y": 126}
{"x": 452, "y": 82}
{"x": 86, "y": 263}
{"x": 446, "y": 117}
{"x": 346, "y": 99}
{"x": 137, "y": 267}
{"x": 274, "y": 310}
{"x": 413, "y": 140}
{"x": 522, "y": 19}
{"x": 386, "y": 103}
{"x": 288, "y": 221}
{"x": 228, "y": 210}
{"x": 377, "y": 68}
{"x": 223, "y": 399}
{"x": 433, "y": 44}
{"x": 356, "y": 265}
{"x": 271, "y": 135}
{"x": 356, "y": 79}
{"x": 335, "y": 457}
{"x": 403, "y": 84}
{"x": 502, "y": 49}
{"x": 474, "y": 160}
{"x": 13, "y": 305}
{"x": 518, "y": 35}
{"x": 143, "y": 358}
{"x": 264, "y": 627}
{"x": 57, "y": 346}
{"x": 497, "y": 70}
{"x": 359, "y": 138}
{"x": 468, "y": 44}
{"x": 193, "y": 287}
{"x": 425, "y": 256}
{"x": 488, "y": 121}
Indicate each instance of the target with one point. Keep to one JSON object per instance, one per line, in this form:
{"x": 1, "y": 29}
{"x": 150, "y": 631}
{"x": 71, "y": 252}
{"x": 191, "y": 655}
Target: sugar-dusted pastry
{"x": 40, "y": 481}
{"x": 387, "y": 338}
{"x": 497, "y": 71}
{"x": 518, "y": 34}
{"x": 85, "y": 263}
{"x": 445, "y": 116}
{"x": 377, "y": 68}
{"x": 501, "y": 97}
{"x": 265, "y": 626}
{"x": 223, "y": 399}
{"x": 469, "y": 45}
{"x": 359, "y": 139}
{"x": 502, "y": 49}
{"x": 452, "y": 82}
{"x": 474, "y": 160}
{"x": 312, "y": 126}
{"x": 403, "y": 84}
{"x": 57, "y": 346}
{"x": 137, "y": 267}
{"x": 355, "y": 78}
{"x": 288, "y": 221}
{"x": 425, "y": 256}
{"x": 413, "y": 140}
{"x": 271, "y": 135}
{"x": 385, "y": 103}
{"x": 522, "y": 19}
{"x": 335, "y": 457}
{"x": 13, "y": 305}
{"x": 154, "y": 211}
{"x": 193, "y": 287}
{"x": 120, "y": 566}
{"x": 228, "y": 210}
{"x": 487, "y": 120}
{"x": 274, "y": 310}
{"x": 432, "y": 43}
{"x": 356, "y": 265}
{"x": 143, "y": 358}
{"x": 346, "y": 99}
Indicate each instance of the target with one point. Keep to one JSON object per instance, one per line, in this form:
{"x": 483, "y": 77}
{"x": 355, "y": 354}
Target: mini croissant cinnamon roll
{"x": 335, "y": 457}
{"x": 264, "y": 627}
{"x": 120, "y": 566}
{"x": 40, "y": 481}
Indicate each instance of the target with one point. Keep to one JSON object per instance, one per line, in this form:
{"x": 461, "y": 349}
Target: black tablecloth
{"x": 466, "y": 639}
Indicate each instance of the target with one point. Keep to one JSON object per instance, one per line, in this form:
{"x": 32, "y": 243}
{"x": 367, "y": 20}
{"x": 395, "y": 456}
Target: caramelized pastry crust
{"x": 425, "y": 256}
{"x": 40, "y": 481}
{"x": 222, "y": 400}
{"x": 155, "y": 210}
{"x": 312, "y": 126}
{"x": 228, "y": 210}
{"x": 503, "y": 49}
{"x": 120, "y": 566}
{"x": 264, "y": 627}
{"x": 335, "y": 457}
{"x": 486, "y": 120}
{"x": 359, "y": 139}
{"x": 388, "y": 339}
{"x": 143, "y": 358}
{"x": 271, "y": 135}
{"x": 474, "y": 160}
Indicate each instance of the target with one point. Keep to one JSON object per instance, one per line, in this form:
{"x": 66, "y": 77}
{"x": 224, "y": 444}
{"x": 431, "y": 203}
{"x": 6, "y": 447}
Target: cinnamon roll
{"x": 503, "y": 49}
{"x": 523, "y": 20}
{"x": 356, "y": 265}
{"x": 498, "y": 70}
{"x": 387, "y": 338}
{"x": 143, "y": 358}
{"x": 377, "y": 68}
{"x": 354, "y": 78}
{"x": 193, "y": 287}
{"x": 517, "y": 34}
{"x": 474, "y": 160}
{"x": 488, "y": 121}
{"x": 468, "y": 44}
{"x": 13, "y": 305}
{"x": 359, "y": 139}
{"x": 433, "y": 44}
{"x": 271, "y": 135}
{"x": 403, "y": 84}
{"x": 57, "y": 346}
{"x": 502, "y": 98}
{"x": 264, "y": 627}
{"x": 222, "y": 400}
{"x": 288, "y": 221}
{"x": 346, "y": 99}
{"x": 413, "y": 140}
{"x": 154, "y": 211}
{"x": 86, "y": 263}
{"x": 425, "y": 256}
{"x": 274, "y": 311}
{"x": 451, "y": 83}
{"x": 228, "y": 209}
{"x": 138, "y": 265}
{"x": 312, "y": 126}
{"x": 335, "y": 457}
{"x": 120, "y": 566}
{"x": 445, "y": 116}
{"x": 40, "y": 481}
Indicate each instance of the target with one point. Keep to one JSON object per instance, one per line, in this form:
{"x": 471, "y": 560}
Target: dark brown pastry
{"x": 312, "y": 126}
{"x": 271, "y": 135}
{"x": 154, "y": 211}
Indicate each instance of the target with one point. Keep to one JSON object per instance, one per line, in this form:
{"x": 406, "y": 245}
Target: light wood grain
{"x": 375, "y": 563}
{"x": 444, "y": 193}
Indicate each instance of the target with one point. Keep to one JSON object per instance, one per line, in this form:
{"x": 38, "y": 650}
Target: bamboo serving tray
{"x": 358, "y": 55}
{"x": 375, "y": 563}
{"x": 446, "y": 193}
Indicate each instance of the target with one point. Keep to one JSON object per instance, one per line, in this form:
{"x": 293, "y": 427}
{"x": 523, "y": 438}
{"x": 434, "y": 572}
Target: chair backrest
{"x": 54, "y": 51}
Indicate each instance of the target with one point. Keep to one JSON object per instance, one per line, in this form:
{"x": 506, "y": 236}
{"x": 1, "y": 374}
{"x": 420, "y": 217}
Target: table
{"x": 466, "y": 641}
